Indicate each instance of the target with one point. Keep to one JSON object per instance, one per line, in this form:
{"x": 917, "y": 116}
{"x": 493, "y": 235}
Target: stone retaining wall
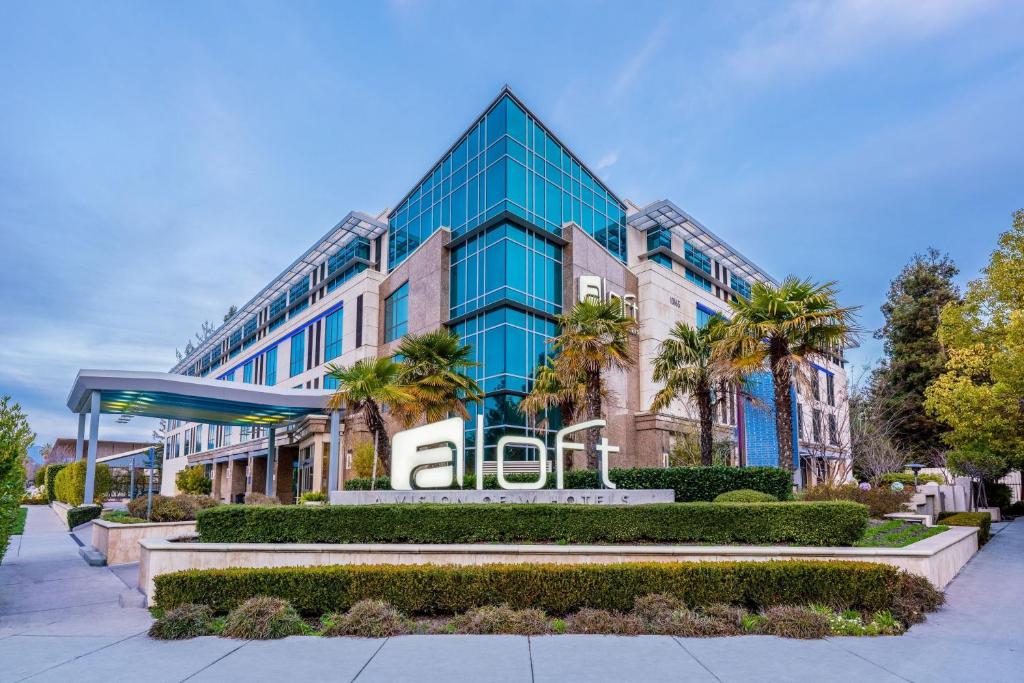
{"x": 119, "y": 543}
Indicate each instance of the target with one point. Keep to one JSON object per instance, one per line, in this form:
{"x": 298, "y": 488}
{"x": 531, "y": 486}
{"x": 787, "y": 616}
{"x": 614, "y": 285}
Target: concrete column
{"x": 90, "y": 466}
{"x": 271, "y": 460}
{"x": 332, "y": 462}
{"x": 81, "y": 437}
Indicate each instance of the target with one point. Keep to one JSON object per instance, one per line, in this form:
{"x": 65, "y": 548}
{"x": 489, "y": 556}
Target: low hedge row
{"x": 82, "y": 514}
{"x": 555, "y": 588}
{"x": 814, "y": 524}
{"x": 691, "y": 484}
{"x": 982, "y": 520}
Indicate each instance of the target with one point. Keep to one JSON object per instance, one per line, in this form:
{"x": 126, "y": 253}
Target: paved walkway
{"x": 60, "y": 621}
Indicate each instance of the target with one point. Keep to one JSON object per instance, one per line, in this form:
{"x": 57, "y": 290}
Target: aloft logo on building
{"x": 433, "y": 456}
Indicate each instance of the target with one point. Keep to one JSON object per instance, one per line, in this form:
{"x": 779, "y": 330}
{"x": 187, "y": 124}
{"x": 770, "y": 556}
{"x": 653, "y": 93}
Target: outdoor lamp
{"x": 915, "y": 468}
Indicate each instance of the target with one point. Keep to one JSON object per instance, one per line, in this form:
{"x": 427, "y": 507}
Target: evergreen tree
{"x": 914, "y": 356}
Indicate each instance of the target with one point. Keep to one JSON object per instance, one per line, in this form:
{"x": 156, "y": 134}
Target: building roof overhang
{"x": 666, "y": 214}
{"x": 192, "y": 399}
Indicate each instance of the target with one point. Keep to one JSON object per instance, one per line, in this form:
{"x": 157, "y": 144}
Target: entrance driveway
{"x": 60, "y": 620}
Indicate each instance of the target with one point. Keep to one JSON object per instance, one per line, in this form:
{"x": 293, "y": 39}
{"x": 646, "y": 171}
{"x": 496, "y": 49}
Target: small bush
{"x": 982, "y": 520}
{"x": 730, "y": 616}
{"x": 313, "y": 497}
{"x": 255, "y": 498}
{"x": 655, "y": 606}
{"x": 263, "y": 618}
{"x": 912, "y": 597}
{"x": 171, "y": 509}
{"x": 121, "y": 517}
{"x": 745, "y": 496}
{"x": 368, "y": 619}
{"x": 69, "y": 483}
{"x": 362, "y": 460}
{"x": 82, "y": 514}
{"x": 502, "y": 619}
{"x": 795, "y": 622}
{"x": 907, "y": 478}
{"x": 194, "y": 480}
{"x": 816, "y": 524}
{"x": 880, "y": 500}
{"x": 998, "y": 495}
{"x": 604, "y": 622}
{"x": 180, "y": 623}
{"x": 39, "y": 478}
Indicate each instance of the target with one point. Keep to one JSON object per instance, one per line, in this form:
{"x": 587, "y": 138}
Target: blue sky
{"x": 161, "y": 161}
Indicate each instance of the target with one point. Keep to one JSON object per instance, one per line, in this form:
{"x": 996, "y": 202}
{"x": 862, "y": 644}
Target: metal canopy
{"x": 355, "y": 224}
{"x": 193, "y": 399}
{"x": 665, "y": 214}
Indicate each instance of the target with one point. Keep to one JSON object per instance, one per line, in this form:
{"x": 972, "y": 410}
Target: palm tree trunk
{"x": 783, "y": 409}
{"x": 568, "y": 411}
{"x": 705, "y": 411}
{"x": 375, "y": 423}
{"x": 593, "y": 413}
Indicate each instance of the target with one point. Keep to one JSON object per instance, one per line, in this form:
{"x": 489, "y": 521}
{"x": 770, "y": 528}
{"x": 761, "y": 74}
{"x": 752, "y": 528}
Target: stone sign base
{"x": 568, "y": 496}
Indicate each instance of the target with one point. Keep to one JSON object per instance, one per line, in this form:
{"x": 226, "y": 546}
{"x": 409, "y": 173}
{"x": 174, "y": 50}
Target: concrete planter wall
{"x": 119, "y": 543}
{"x": 937, "y": 558}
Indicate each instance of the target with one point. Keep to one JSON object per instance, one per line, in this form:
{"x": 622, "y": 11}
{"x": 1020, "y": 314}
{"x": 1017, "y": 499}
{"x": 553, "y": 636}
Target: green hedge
{"x": 907, "y": 478}
{"x": 82, "y": 514}
{"x": 51, "y": 480}
{"x": 815, "y": 524}
{"x": 70, "y": 483}
{"x": 555, "y": 588}
{"x": 982, "y": 520}
{"x": 691, "y": 484}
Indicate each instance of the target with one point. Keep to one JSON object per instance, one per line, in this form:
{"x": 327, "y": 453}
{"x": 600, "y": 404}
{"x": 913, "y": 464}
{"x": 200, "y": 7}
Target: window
{"x": 247, "y": 373}
{"x": 698, "y": 258}
{"x": 332, "y": 344}
{"x": 396, "y": 313}
{"x": 830, "y": 388}
{"x": 816, "y": 426}
{"x": 815, "y": 384}
{"x": 330, "y": 382}
{"x": 271, "y": 361}
{"x": 298, "y": 354}
{"x": 297, "y": 297}
{"x": 833, "y": 430}
{"x": 698, "y": 280}
{"x": 704, "y": 316}
{"x": 741, "y": 286}
{"x": 229, "y": 376}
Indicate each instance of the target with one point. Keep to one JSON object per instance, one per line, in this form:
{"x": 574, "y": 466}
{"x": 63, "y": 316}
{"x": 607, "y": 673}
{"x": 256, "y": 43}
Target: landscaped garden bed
{"x": 896, "y": 534}
{"x": 796, "y": 599}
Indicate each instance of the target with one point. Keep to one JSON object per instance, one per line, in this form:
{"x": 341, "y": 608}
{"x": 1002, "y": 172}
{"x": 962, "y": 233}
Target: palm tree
{"x": 552, "y": 390}
{"x": 366, "y": 388}
{"x": 434, "y": 371}
{"x": 686, "y": 365}
{"x": 593, "y": 337}
{"x": 786, "y": 326}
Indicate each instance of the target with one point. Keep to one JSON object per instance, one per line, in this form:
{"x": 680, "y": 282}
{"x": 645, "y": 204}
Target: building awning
{"x": 193, "y": 399}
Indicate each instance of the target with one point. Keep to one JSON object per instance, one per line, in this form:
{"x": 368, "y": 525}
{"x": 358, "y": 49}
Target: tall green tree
{"x": 593, "y": 338}
{"x": 15, "y": 438}
{"x": 366, "y": 388}
{"x": 686, "y": 366}
{"x": 435, "y": 371}
{"x": 980, "y": 394}
{"x": 783, "y": 328}
{"x": 914, "y": 356}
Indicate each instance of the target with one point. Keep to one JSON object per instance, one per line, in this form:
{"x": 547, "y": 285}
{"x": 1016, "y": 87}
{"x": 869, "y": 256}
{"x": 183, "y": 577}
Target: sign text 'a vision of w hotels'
{"x": 432, "y": 456}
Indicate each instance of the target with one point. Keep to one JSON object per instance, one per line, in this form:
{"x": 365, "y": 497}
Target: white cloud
{"x": 815, "y": 36}
{"x": 607, "y": 161}
{"x": 635, "y": 66}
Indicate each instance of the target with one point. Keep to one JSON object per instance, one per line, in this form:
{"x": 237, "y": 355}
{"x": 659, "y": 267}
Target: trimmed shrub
{"x": 907, "y": 478}
{"x": 263, "y": 618}
{"x": 604, "y": 622}
{"x": 556, "y": 589}
{"x": 313, "y": 497}
{"x": 502, "y": 619}
{"x": 913, "y": 597}
{"x": 691, "y": 484}
{"x": 745, "y": 496}
{"x": 982, "y": 520}
{"x": 879, "y": 499}
{"x": 368, "y": 619}
{"x": 815, "y": 524}
{"x": 69, "y": 483}
{"x": 82, "y": 514}
{"x": 51, "y": 480}
{"x": 180, "y": 623}
{"x": 39, "y": 478}
{"x": 171, "y": 509}
{"x": 255, "y": 498}
{"x": 795, "y": 622}
{"x": 194, "y": 480}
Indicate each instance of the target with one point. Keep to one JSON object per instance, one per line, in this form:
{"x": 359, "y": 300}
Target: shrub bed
{"x": 171, "y": 509}
{"x": 982, "y": 520}
{"x": 745, "y": 496}
{"x": 82, "y": 514}
{"x": 558, "y": 589}
{"x": 690, "y": 484}
{"x": 879, "y": 499}
{"x": 815, "y": 524}
{"x": 907, "y": 478}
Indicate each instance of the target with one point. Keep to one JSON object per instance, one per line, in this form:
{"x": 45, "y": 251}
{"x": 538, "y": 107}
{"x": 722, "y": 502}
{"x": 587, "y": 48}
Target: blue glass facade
{"x": 396, "y": 313}
{"x": 507, "y": 162}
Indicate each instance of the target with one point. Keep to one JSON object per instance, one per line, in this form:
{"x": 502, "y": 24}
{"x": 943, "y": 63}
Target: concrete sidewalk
{"x": 60, "y": 620}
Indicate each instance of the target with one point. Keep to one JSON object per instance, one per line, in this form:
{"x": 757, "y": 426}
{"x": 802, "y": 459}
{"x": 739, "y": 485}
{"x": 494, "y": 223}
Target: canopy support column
{"x": 332, "y": 467}
{"x": 271, "y": 460}
{"x": 81, "y": 437}
{"x": 90, "y": 465}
